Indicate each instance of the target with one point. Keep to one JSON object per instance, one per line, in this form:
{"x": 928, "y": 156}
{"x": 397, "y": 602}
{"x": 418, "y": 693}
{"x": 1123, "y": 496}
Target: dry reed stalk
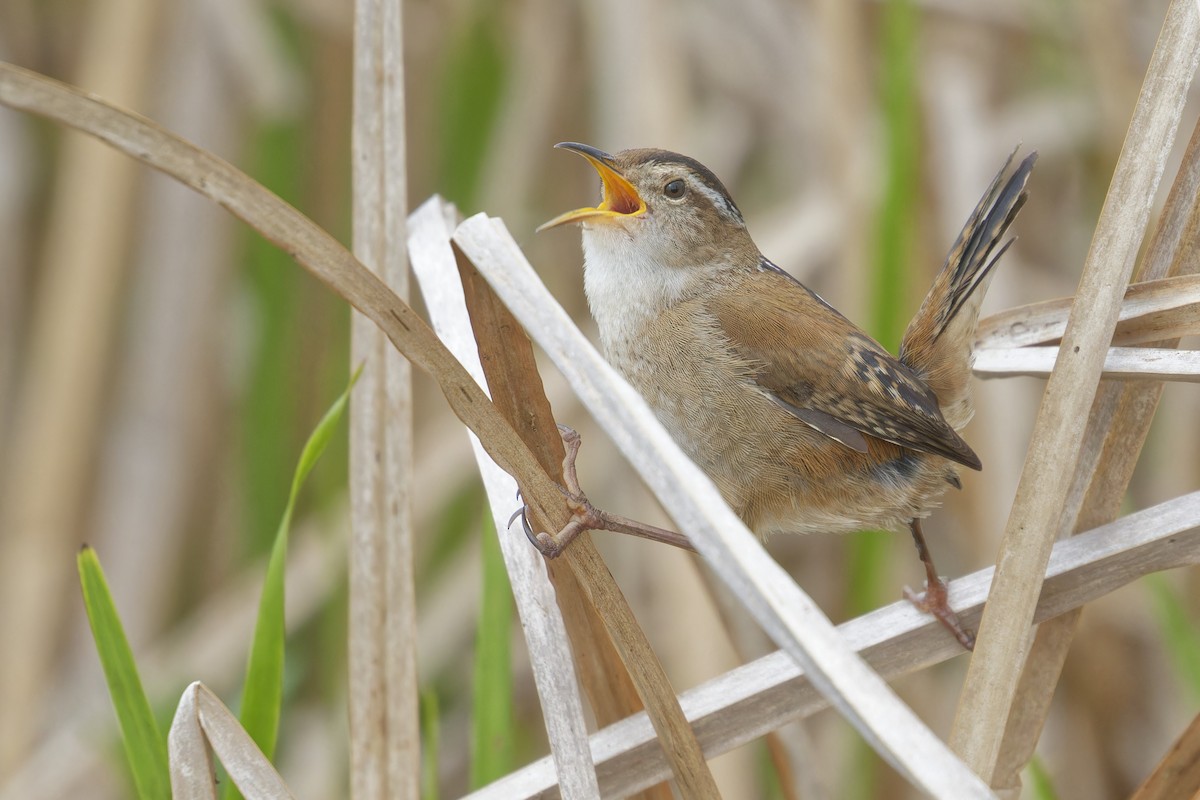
{"x": 16, "y": 192}
{"x": 539, "y": 79}
{"x": 1120, "y": 363}
{"x": 1004, "y": 636}
{"x": 44, "y": 476}
{"x": 1114, "y": 450}
{"x": 638, "y": 87}
{"x": 385, "y": 760}
{"x": 1165, "y": 308}
{"x": 842, "y": 79}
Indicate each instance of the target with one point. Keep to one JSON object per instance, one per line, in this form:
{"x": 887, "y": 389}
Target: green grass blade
{"x": 262, "y": 696}
{"x": 492, "y": 718}
{"x": 271, "y": 422}
{"x": 145, "y": 747}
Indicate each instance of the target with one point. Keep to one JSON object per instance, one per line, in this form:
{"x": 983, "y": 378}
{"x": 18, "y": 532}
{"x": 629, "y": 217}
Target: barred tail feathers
{"x": 939, "y": 339}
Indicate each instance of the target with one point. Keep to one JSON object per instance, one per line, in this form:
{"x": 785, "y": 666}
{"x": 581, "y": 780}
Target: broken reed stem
{"x": 1004, "y": 634}
{"x": 1178, "y": 773}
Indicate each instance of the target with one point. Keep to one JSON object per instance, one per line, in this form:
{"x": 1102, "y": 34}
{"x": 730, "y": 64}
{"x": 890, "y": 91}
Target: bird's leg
{"x": 934, "y": 600}
{"x": 585, "y": 516}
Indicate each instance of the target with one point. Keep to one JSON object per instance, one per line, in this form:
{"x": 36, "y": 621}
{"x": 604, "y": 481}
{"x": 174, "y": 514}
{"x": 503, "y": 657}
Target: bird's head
{"x": 659, "y": 210}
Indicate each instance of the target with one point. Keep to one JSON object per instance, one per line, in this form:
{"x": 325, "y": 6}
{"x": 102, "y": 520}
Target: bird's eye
{"x": 675, "y": 189}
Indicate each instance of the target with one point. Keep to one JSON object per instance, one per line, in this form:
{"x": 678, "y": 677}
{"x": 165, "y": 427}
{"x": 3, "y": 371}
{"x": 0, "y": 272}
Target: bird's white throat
{"x": 627, "y": 284}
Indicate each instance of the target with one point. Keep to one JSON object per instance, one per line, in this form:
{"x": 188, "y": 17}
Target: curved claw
{"x": 546, "y": 544}
{"x": 529, "y": 534}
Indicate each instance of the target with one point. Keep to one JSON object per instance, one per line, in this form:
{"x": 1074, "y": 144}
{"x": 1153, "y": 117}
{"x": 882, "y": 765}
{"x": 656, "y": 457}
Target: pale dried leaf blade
{"x": 430, "y": 227}
{"x": 246, "y": 765}
{"x": 783, "y": 609}
{"x": 202, "y": 722}
{"x": 747, "y": 702}
{"x": 607, "y": 629}
{"x": 192, "y": 776}
{"x": 1120, "y": 363}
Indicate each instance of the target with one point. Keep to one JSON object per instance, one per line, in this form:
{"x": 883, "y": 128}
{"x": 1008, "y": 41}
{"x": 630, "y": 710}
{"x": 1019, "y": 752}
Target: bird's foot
{"x": 935, "y": 600}
{"x": 585, "y": 516}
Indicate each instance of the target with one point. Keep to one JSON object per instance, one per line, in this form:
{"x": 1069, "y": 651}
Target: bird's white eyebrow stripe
{"x": 719, "y": 201}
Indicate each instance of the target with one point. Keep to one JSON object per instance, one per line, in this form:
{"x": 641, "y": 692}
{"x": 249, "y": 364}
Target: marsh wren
{"x": 805, "y": 423}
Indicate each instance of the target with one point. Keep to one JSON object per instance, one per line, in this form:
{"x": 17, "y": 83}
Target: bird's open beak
{"x": 620, "y": 198}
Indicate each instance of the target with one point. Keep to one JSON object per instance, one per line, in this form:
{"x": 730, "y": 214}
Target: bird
{"x": 804, "y": 422}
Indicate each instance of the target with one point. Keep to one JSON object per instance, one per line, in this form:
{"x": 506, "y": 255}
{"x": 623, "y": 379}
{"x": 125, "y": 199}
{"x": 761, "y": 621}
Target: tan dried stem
{"x": 384, "y": 722}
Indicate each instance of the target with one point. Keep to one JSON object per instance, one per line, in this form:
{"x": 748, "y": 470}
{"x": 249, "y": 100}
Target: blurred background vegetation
{"x": 160, "y": 365}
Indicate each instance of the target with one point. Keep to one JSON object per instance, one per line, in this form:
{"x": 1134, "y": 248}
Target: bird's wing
{"x": 827, "y": 372}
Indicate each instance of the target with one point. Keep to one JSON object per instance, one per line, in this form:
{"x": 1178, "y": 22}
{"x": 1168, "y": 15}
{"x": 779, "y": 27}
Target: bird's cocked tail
{"x": 939, "y": 340}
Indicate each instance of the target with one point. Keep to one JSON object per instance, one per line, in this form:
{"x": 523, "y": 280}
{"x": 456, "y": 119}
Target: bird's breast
{"x": 684, "y": 366}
